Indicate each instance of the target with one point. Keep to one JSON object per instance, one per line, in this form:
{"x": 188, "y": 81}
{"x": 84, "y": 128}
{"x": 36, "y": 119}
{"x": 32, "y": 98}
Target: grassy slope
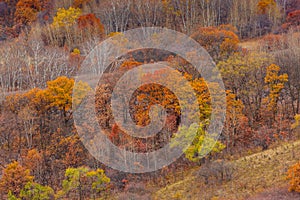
{"x": 253, "y": 174}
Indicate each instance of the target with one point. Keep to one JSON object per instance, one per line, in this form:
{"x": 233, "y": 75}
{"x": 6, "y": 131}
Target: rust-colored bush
{"x": 292, "y": 20}
{"x": 273, "y": 42}
{"x": 91, "y": 23}
{"x": 220, "y": 42}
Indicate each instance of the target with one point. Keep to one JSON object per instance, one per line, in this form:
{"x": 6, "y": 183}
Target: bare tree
{"x": 188, "y": 11}
{"x": 116, "y": 18}
{"x": 147, "y": 13}
{"x": 289, "y": 61}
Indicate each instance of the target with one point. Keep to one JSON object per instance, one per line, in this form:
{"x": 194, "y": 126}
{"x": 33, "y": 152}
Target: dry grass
{"x": 250, "y": 45}
{"x": 276, "y": 193}
{"x": 253, "y": 175}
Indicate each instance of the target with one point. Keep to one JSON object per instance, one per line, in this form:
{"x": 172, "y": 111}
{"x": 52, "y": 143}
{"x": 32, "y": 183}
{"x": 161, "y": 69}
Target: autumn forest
{"x": 47, "y": 154}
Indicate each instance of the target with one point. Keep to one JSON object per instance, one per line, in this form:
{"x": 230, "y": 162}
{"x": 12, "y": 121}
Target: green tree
{"x": 82, "y": 181}
{"x": 99, "y": 180}
{"x": 73, "y": 181}
{"x": 35, "y": 191}
{"x": 200, "y": 146}
{"x": 10, "y": 196}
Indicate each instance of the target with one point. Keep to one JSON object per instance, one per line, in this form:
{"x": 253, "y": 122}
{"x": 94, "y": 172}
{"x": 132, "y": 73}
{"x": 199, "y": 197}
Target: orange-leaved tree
{"x": 236, "y": 133}
{"x": 220, "y": 42}
{"x": 90, "y": 24}
{"x": 27, "y": 10}
{"x": 264, "y": 5}
{"x": 14, "y": 178}
{"x": 294, "y": 177}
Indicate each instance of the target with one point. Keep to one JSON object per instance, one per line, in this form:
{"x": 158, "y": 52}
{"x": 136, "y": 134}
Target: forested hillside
{"x": 46, "y": 45}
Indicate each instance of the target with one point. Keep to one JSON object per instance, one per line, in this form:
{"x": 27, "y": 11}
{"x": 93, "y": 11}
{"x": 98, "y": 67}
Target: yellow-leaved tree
{"x": 275, "y": 83}
{"x": 66, "y": 17}
{"x": 59, "y": 92}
